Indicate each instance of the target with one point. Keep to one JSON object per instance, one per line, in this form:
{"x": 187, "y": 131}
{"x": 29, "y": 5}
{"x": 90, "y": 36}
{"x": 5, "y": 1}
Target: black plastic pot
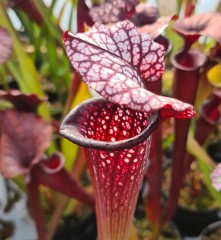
{"x": 208, "y": 231}
{"x": 214, "y": 150}
{"x": 75, "y": 229}
{"x": 10, "y": 83}
{"x": 170, "y": 231}
{"x": 191, "y": 222}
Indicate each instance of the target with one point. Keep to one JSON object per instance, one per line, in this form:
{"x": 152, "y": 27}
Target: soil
{"x": 194, "y": 194}
{"x": 170, "y": 231}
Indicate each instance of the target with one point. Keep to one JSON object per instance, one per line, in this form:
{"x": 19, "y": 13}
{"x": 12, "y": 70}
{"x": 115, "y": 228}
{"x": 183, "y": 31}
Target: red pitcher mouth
{"x": 101, "y": 124}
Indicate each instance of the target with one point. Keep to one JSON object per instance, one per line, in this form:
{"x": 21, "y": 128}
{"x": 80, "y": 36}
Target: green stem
{"x": 15, "y": 72}
{"x": 30, "y": 82}
{"x": 55, "y": 31}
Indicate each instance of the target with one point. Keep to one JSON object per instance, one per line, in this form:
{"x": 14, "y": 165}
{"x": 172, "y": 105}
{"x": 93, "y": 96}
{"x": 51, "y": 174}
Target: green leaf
{"x": 70, "y": 152}
{"x": 28, "y": 76}
{"x": 206, "y": 170}
{"x": 179, "y": 4}
{"x": 206, "y": 165}
{"x": 16, "y": 73}
{"x": 177, "y": 41}
{"x": 69, "y": 149}
{"x": 3, "y": 80}
{"x": 49, "y": 20}
{"x": 27, "y": 25}
{"x": 62, "y": 11}
{"x": 214, "y": 75}
{"x": 203, "y": 91}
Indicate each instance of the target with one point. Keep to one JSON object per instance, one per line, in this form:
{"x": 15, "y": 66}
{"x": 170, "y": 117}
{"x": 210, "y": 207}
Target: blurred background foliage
{"x": 38, "y": 64}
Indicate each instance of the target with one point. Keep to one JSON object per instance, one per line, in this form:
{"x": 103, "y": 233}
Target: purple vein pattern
{"x": 116, "y": 175}
{"x": 116, "y": 61}
{"x": 113, "y": 11}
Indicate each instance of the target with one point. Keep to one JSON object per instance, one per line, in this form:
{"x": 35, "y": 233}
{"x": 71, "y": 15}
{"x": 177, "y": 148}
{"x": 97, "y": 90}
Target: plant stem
{"x": 187, "y": 66}
{"x": 64, "y": 200}
{"x": 152, "y": 201}
{"x": 36, "y": 211}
